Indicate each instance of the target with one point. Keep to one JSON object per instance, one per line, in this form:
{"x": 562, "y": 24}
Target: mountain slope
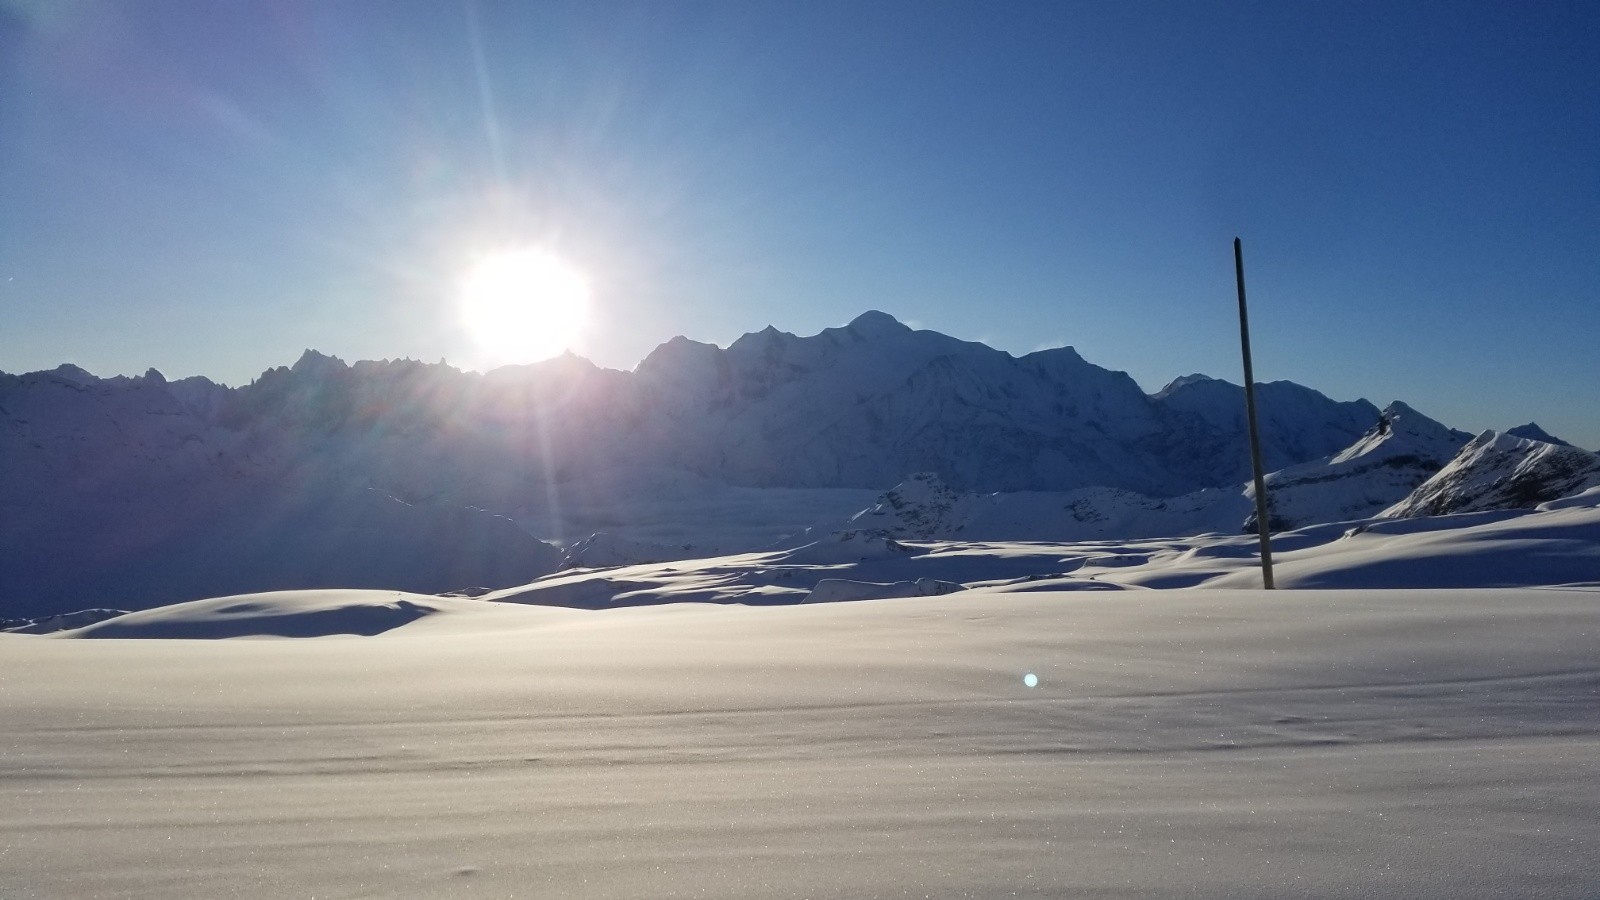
{"x": 1382, "y": 467}
{"x": 116, "y": 492}
{"x": 1500, "y": 471}
{"x": 1388, "y": 462}
{"x": 861, "y": 405}
{"x": 1207, "y": 427}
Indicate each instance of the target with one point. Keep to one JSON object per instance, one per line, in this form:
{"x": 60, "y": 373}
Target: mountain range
{"x": 134, "y": 491}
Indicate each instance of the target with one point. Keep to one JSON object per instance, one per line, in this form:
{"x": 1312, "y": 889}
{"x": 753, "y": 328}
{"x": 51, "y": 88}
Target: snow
{"x": 733, "y": 687}
{"x": 924, "y": 508}
{"x": 1495, "y": 549}
{"x": 835, "y": 590}
{"x": 710, "y": 727}
{"x": 606, "y": 550}
{"x": 1297, "y": 424}
{"x": 300, "y": 614}
{"x": 1382, "y": 467}
{"x": 1586, "y": 498}
{"x": 59, "y": 622}
{"x": 688, "y": 516}
{"x": 112, "y": 484}
{"x": 1558, "y": 544}
{"x": 1213, "y": 743}
{"x": 1385, "y": 464}
{"x": 1501, "y": 471}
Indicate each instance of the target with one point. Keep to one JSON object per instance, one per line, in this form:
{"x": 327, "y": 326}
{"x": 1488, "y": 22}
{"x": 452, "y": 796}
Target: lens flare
{"x": 524, "y": 305}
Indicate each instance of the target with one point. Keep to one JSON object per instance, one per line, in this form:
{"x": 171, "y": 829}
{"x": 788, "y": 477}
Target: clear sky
{"x": 210, "y": 187}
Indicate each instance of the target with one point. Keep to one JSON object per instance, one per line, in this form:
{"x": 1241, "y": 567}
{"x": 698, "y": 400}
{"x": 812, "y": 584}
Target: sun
{"x": 523, "y": 305}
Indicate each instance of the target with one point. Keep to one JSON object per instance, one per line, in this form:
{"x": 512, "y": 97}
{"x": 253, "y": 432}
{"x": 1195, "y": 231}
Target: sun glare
{"x": 523, "y": 305}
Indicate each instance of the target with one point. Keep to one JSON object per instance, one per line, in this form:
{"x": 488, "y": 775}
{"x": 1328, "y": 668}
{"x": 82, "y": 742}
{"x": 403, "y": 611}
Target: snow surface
{"x": 1217, "y": 743}
{"x": 1047, "y": 727}
{"x": 835, "y": 590}
{"x": 301, "y": 614}
{"x": 1557, "y": 544}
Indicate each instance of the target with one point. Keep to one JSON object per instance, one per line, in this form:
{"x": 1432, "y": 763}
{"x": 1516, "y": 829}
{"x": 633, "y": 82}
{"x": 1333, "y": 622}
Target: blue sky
{"x": 209, "y": 188}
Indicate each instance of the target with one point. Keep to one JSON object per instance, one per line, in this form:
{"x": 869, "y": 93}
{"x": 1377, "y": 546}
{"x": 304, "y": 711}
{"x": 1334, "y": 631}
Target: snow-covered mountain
{"x": 394, "y": 473}
{"x": 117, "y": 492}
{"x": 1398, "y": 453}
{"x": 857, "y": 406}
{"x": 1502, "y": 471}
{"x": 851, "y": 407}
{"x": 924, "y": 508}
{"x": 862, "y": 405}
{"x": 605, "y": 550}
{"x": 1298, "y": 425}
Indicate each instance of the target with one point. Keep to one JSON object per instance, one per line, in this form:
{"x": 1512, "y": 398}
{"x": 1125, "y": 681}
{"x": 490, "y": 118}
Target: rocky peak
{"x": 1183, "y": 382}
{"x": 1533, "y": 432}
{"x": 74, "y": 374}
{"x": 312, "y": 362}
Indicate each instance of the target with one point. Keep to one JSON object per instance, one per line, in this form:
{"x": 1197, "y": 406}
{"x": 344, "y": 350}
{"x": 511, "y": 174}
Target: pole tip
{"x": 1236, "y": 243}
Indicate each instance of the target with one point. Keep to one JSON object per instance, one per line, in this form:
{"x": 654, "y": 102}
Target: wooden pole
{"x": 1255, "y": 432}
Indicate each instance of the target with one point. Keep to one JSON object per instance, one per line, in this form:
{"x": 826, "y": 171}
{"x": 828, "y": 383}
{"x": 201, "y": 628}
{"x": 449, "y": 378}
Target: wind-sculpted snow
{"x": 59, "y": 622}
{"x": 1220, "y": 743}
{"x": 838, "y": 590}
{"x": 299, "y": 614}
{"x": 1555, "y": 545}
{"x": 1580, "y": 500}
{"x": 1493, "y": 549}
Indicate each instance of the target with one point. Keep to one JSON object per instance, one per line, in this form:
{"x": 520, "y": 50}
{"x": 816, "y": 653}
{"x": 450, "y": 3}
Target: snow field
{"x": 1205, "y": 743}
